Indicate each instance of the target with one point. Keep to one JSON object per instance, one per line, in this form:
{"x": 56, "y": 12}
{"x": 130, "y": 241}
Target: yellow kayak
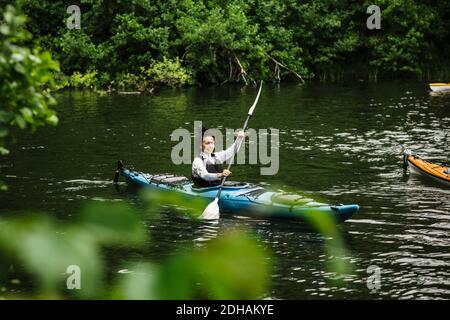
{"x": 439, "y": 86}
{"x": 434, "y": 171}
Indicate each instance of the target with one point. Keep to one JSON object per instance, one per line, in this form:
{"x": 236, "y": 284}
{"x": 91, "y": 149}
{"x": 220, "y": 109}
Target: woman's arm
{"x": 225, "y": 155}
{"x": 199, "y": 170}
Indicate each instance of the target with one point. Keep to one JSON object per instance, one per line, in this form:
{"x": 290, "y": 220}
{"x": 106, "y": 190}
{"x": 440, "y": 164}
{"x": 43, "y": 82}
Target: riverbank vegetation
{"x": 137, "y": 45}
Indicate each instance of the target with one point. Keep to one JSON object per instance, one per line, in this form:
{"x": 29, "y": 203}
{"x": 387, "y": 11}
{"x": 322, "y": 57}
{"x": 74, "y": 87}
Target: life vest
{"x": 211, "y": 168}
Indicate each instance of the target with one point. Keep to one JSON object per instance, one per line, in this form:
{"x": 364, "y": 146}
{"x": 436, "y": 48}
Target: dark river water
{"x": 339, "y": 143}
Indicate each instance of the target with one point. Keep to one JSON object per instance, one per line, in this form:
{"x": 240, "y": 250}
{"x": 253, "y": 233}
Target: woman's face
{"x": 208, "y": 144}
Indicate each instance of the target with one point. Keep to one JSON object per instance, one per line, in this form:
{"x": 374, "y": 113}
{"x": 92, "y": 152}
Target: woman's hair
{"x": 208, "y": 134}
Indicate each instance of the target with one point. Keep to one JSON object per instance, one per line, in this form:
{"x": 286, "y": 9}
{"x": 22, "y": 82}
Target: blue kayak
{"x": 240, "y": 197}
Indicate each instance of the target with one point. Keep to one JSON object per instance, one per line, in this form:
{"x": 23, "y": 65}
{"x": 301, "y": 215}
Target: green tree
{"x": 404, "y": 44}
{"x": 26, "y": 76}
{"x": 219, "y": 42}
{"x": 241, "y": 40}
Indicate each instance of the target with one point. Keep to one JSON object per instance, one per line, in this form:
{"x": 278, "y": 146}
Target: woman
{"x": 207, "y": 168}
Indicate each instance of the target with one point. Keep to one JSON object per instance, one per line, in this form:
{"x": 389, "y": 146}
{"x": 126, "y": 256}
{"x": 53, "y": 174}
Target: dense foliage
{"x": 244, "y": 40}
{"x": 26, "y": 74}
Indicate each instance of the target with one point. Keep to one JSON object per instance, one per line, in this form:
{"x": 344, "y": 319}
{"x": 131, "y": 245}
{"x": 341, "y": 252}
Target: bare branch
{"x": 277, "y": 70}
{"x": 242, "y": 72}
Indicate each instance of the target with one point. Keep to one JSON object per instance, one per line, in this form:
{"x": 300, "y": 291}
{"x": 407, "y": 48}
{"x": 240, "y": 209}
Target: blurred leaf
{"x": 46, "y": 253}
{"x": 27, "y": 114}
{"x": 156, "y": 199}
{"x": 3, "y": 186}
{"x": 229, "y": 267}
{"x": 4, "y": 151}
{"x": 326, "y": 225}
{"x": 52, "y": 120}
{"x": 138, "y": 284}
{"x": 20, "y": 122}
{"x": 112, "y": 223}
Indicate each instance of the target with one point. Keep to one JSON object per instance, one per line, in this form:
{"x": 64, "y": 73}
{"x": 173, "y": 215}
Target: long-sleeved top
{"x": 200, "y": 162}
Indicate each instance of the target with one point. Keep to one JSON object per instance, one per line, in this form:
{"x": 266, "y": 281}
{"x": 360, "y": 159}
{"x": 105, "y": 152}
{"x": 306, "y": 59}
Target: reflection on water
{"x": 341, "y": 143}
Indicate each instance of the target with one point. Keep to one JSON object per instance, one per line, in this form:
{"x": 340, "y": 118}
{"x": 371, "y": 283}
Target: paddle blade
{"x": 212, "y": 211}
{"x": 252, "y": 108}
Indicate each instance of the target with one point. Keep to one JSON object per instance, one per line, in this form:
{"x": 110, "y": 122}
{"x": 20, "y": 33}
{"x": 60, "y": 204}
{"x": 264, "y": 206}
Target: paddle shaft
{"x": 250, "y": 112}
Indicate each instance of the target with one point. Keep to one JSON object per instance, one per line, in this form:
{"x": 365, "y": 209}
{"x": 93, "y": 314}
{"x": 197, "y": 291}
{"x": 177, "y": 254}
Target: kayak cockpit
{"x": 228, "y": 185}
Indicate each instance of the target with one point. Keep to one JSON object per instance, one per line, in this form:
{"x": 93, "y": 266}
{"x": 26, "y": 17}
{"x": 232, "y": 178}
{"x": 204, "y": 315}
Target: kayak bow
{"x": 433, "y": 171}
{"x": 240, "y": 197}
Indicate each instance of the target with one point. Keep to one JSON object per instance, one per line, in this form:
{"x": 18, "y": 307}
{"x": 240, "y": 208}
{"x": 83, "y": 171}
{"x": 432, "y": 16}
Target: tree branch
{"x": 242, "y": 72}
{"x": 277, "y": 69}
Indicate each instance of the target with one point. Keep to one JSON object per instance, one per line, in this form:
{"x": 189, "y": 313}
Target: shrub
{"x": 168, "y": 72}
{"x": 87, "y": 80}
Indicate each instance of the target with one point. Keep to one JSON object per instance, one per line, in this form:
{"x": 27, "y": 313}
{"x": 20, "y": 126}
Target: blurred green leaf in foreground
{"x": 40, "y": 249}
{"x": 323, "y": 223}
{"x": 230, "y": 267}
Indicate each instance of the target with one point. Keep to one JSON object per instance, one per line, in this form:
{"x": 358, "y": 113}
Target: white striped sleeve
{"x": 225, "y": 155}
{"x": 199, "y": 170}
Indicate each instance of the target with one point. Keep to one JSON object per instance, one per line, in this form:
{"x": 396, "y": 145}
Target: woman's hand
{"x": 225, "y": 173}
{"x": 241, "y": 134}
